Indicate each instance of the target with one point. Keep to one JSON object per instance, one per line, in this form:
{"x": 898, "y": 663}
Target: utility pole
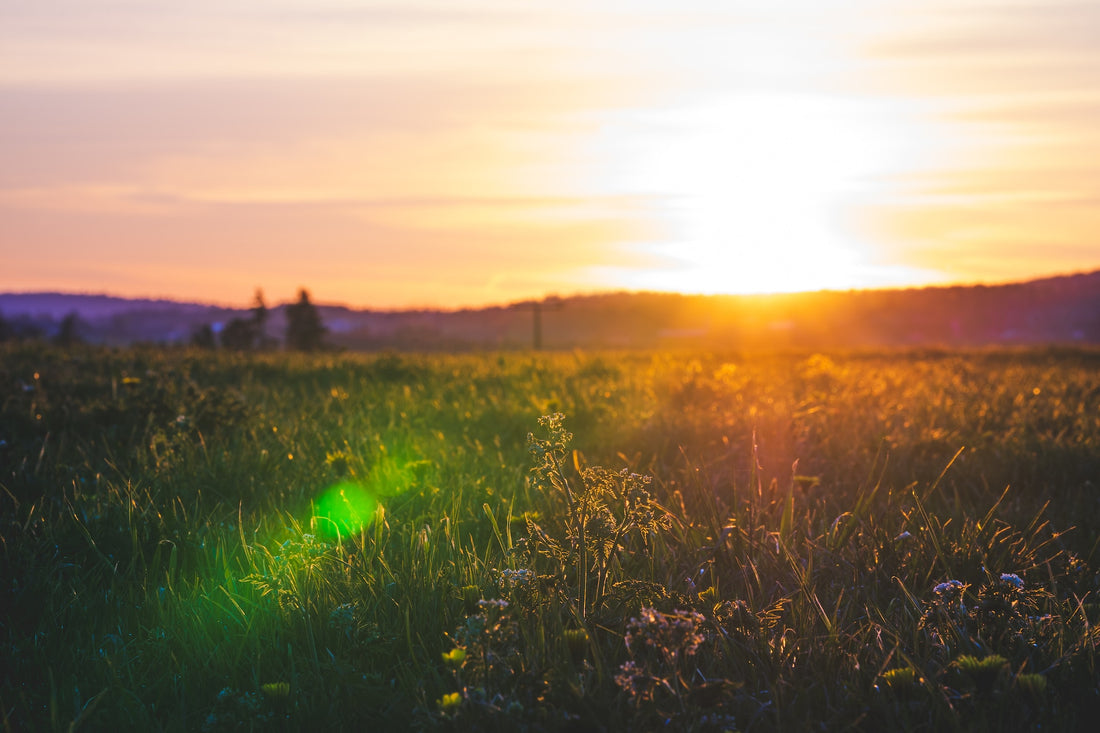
{"x": 536, "y": 312}
{"x": 537, "y": 308}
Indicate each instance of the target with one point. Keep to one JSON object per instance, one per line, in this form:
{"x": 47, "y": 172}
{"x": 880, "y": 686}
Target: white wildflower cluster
{"x": 342, "y": 617}
{"x": 659, "y": 645}
{"x": 496, "y": 604}
{"x": 675, "y": 634}
{"x": 235, "y": 710}
{"x": 509, "y": 579}
{"x": 950, "y": 594}
{"x": 949, "y": 588}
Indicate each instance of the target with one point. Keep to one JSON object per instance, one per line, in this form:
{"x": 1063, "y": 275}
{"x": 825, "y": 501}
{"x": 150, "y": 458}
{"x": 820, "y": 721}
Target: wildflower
{"x": 577, "y": 641}
{"x": 449, "y": 703}
{"x": 1006, "y": 608}
{"x": 718, "y": 721}
{"x": 903, "y": 536}
{"x": 736, "y": 616}
{"x": 899, "y": 680}
{"x": 673, "y": 634}
{"x": 276, "y": 689}
{"x": 948, "y": 587}
{"x": 339, "y": 462}
{"x": 471, "y": 594}
{"x": 455, "y": 658}
{"x": 342, "y": 617}
{"x": 488, "y": 646}
{"x": 982, "y": 672}
{"x": 510, "y": 579}
{"x": 498, "y": 604}
{"x": 633, "y": 680}
{"x": 946, "y": 614}
{"x": 950, "y": 591}
{"x": 973, "y": 665}
{"x": 1033, "y": 684}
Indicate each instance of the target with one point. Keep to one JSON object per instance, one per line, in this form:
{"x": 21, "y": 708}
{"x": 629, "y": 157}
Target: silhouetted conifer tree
{"x": 203, "y": 337}
{"x": 259, "y": 320}
{"x": 247, "y": 334}
{"x": 239, "y": 335}
{"x": 6, "y": 331}
{"x": 304, "y": 330}
{"x": 67, "y": 333}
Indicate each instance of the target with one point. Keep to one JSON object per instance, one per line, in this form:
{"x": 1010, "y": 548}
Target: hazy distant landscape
{"x": 1048, "y": 311}
{"x": 550, "y": 367}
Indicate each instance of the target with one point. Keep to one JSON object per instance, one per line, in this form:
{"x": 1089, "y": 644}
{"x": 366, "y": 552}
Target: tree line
{"x": 304, "y": 329}
{"x": 68, "y": 332}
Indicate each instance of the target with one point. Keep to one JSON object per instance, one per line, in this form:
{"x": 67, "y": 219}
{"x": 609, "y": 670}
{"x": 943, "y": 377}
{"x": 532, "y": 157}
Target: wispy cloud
{"x": 508, "y": 142}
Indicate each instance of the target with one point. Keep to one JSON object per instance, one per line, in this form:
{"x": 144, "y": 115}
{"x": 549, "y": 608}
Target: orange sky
{"x": 397, "y": 154}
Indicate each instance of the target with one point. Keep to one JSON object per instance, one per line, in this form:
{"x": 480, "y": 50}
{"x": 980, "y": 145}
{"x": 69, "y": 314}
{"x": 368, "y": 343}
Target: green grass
{"x": 220, "y": 542}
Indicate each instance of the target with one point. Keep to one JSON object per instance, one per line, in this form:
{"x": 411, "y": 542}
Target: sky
{"x": 461, "y": 153}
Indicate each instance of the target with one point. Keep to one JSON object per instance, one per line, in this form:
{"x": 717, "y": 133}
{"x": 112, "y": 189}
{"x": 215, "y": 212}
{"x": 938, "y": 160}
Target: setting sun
{"x": 756, "y": 188}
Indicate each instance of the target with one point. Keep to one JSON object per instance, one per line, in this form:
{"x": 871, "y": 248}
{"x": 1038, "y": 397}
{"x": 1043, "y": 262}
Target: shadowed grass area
{"x": 901, "y": 540}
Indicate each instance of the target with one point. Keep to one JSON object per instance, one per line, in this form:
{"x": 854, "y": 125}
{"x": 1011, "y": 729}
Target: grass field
{"x": 868, "y": 541}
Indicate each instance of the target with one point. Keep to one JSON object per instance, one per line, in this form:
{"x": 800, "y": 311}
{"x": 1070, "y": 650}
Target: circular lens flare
{"x": 344, "y": 509}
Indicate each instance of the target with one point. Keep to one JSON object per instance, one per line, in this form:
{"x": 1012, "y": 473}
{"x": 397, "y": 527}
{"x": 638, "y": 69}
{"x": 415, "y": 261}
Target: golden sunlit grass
{"x": 168, "y": 565}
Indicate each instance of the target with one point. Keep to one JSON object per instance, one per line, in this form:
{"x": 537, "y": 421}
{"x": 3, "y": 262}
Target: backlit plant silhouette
{"x": 604, "y": 512}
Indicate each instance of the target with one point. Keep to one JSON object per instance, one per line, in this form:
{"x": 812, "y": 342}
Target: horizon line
{"x": 558, "y": 296}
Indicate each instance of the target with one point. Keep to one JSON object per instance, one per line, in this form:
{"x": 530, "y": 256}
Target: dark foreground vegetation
{"x": 216, "y": 542}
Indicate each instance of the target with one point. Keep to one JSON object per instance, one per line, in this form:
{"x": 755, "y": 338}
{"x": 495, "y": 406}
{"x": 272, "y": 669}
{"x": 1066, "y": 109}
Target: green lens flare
{"x": 343, "y": 510}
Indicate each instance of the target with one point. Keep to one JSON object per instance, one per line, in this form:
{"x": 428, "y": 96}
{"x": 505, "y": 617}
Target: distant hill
{"x": 1058, "y": 310}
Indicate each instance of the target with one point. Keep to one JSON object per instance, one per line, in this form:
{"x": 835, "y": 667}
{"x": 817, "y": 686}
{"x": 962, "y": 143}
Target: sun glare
{"x": 755, "y": 189}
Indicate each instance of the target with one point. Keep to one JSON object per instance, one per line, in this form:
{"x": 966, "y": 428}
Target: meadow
{"x": 902, "y": 540}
